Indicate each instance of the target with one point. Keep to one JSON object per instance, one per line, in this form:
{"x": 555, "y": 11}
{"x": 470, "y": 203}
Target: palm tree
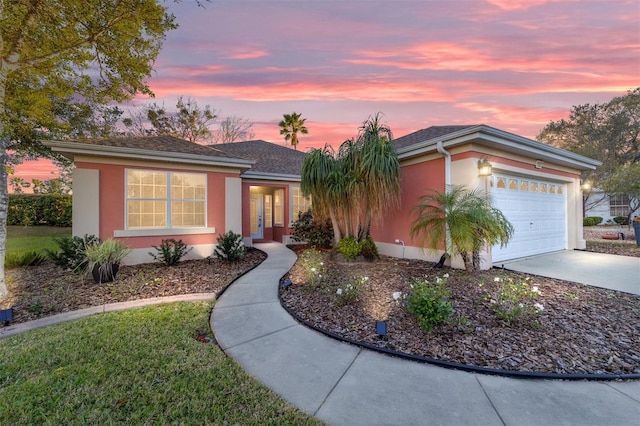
{"x": 17, "y": 183}
{"x": 321, "y": 179}
{"x": 379, "y": 171}
{"x": 358, "y": 184}
{"x": 290, "y": 126}
{"x": 468, "y": 217}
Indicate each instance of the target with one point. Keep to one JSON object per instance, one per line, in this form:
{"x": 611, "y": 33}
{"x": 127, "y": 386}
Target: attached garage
{"x": 536, "y": 186}
{"x": 537, "y": 209}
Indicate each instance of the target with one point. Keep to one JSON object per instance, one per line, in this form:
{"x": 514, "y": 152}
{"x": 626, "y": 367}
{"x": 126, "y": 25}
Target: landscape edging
{"x": 458, "y": 366}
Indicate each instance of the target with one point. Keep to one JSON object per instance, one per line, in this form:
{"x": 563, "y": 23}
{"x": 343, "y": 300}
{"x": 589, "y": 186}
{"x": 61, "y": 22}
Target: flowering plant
{"x": 313, "y": 264}
{"x": 350, "y": 293}
{"x": 514, "y": 301}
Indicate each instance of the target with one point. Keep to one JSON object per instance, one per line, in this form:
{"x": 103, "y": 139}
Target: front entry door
{"x": 256, "y": 214}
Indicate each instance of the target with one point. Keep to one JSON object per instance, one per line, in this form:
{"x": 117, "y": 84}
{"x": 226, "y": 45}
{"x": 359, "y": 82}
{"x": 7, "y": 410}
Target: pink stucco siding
{"x": 415, "y": 180}
{"x": 112, "y": 205}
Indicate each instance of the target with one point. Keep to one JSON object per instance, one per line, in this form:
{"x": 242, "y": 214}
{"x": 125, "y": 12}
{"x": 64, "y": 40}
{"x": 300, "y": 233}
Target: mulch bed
{"x": 46, "y": 290}
{"x": 582, "y": 330}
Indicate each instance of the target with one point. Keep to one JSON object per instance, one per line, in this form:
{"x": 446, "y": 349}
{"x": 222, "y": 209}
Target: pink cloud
{"x": 249, "y": 54}
{"x": 517, "y": 4}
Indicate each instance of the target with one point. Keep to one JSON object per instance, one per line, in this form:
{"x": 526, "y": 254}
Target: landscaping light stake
{"x": 6, "y": 315}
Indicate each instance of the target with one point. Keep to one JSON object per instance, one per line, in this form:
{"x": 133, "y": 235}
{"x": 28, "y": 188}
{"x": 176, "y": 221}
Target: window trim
{"x": 617, "y": 203}
{"x": 155, "y": 232}
{"x": 292, "y": 213}
{"x": 167, "y": 230}
{"x": 268, "y": 211}
{"x": 276, "y": 207}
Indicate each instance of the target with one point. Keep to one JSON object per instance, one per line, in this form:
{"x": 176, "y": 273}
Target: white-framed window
{"x": 299, "y": 203}
{"x": 165, "y": 200}
{"x": 618, "y": 205}
{"x": 278, "y": 207}
{"x": 268, "y": 211}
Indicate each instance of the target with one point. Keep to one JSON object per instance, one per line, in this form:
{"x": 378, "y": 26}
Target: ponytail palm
{"x": 358, "y": 184}
{"x": 322, "y": 181}
{"x": 379, "y": 170}
{"x": 468, "y": 217}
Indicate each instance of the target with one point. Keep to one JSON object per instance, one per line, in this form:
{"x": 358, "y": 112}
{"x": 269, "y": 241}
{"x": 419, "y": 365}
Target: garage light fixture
{"x": 484, "y": 167}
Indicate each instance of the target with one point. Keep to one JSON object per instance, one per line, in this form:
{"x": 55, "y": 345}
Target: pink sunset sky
{"x": 510, "y": 64}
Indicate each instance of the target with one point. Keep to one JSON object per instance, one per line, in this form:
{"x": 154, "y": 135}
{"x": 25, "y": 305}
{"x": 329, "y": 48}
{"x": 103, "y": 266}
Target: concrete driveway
{"x": 620, "y": 273}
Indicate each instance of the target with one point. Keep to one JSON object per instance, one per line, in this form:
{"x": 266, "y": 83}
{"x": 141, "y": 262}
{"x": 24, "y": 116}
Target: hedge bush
{"x": 44, "y": 209}
{"x": 316, "y": 234}
{"x": 591, "y": 220}
{"x": 621, "y": 220}
{"x": 349, "y": 248}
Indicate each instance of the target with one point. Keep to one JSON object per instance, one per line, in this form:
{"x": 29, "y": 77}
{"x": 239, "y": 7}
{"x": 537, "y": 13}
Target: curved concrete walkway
{"x": 344, "y": 385}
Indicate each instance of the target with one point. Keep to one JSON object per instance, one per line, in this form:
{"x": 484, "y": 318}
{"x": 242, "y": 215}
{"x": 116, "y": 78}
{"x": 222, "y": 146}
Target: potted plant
{"x": 102, "y": 260}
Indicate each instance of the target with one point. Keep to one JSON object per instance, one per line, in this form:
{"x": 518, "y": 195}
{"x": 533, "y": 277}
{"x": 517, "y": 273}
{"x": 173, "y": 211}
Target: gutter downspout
{"x": 447, "y": 185}
{"x": 447, "y": 165}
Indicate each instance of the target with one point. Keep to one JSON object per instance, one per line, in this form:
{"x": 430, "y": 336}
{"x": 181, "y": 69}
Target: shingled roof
{"x": 269, "y": 157}
{"x": 427, "y": 134}
{"x": 158, "y": 143}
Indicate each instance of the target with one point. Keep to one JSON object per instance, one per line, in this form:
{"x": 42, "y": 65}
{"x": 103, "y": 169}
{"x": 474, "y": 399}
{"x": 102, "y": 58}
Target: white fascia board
{"x": 430, "y": 145}
{"x": 145, "y": 154}
{"x": 270, "y": 176}
{"x": 507, "y": 141}
{"x": 536, "y": 147}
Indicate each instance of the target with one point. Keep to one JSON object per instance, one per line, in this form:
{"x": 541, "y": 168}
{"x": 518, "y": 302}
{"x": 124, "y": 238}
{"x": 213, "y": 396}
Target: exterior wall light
{"x": 484, "y": 167}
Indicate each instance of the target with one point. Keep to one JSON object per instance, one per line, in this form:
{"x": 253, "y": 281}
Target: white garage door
{"x": 537, "y": 209}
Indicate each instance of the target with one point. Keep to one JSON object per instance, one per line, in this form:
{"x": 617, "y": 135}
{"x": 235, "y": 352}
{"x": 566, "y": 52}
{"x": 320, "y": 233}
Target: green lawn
{"x": 142, "y": 366}
{"x": 23, "y": 239}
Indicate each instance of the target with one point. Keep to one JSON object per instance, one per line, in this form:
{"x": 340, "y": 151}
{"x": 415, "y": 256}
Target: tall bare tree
{"x": 188, "y": 121}
{"x": 233, "y": 129}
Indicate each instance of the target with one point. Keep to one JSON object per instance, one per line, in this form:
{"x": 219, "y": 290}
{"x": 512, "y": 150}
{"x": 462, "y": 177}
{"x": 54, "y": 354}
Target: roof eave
{"x": 75, "y": 148}
{"x": 506, "y": 140}
{"x": 252, "y": 174}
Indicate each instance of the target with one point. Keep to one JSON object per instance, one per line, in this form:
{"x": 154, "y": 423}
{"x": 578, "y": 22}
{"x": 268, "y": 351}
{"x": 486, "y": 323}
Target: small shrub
{"x": 72, "y": 251}
{"x": 103, "y": 256}
{"x": 621, "y": 220}
{"x": 313, "y": 264}
{"x": 591, "y": 220}
{"x": 369, "y": 250}
{"x": 230, "y": 247}
{"x": 316, "y": 234}
{"x": 170, "y": 251}
{"x": 31, "y": 258}
{"x": 515, "y": 301}
{"x": 429, "y": 302}
{"x": 349, "y": 248}
{"x": 349, "y": 294}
